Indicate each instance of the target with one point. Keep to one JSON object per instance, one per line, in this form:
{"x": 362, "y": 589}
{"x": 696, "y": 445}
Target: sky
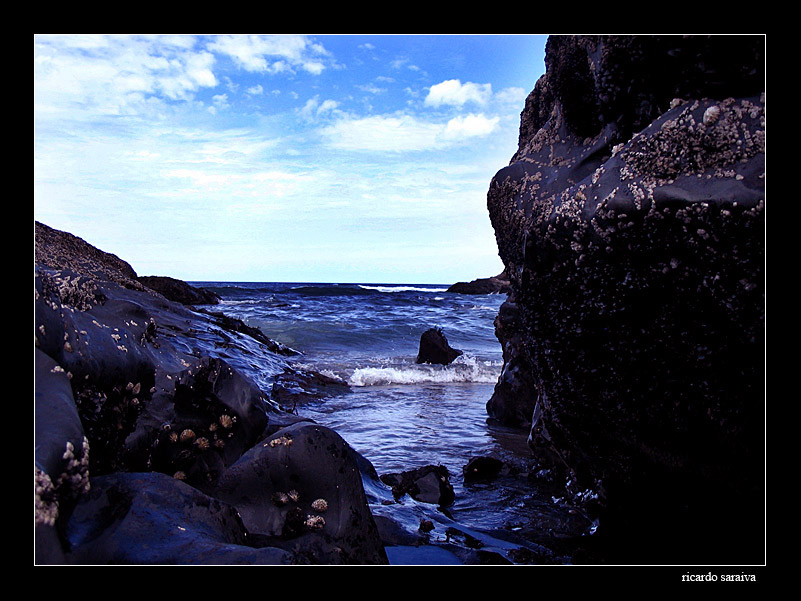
{"x": 294, "y": 158}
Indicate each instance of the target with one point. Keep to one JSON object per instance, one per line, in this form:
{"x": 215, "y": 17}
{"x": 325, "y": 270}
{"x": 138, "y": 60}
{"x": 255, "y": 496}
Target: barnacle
{"x": 45, "y": 499}
{"x": 187, "y": 435}
{"x": 280, "y": 498}
{"x": 314, "y": 522}
{"x": 711, "y": 114}
{"x": 280, "y": 441}
{"x": 319, "y": 505}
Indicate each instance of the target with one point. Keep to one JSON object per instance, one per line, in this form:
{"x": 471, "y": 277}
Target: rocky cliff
{"x": 631, "y": 222}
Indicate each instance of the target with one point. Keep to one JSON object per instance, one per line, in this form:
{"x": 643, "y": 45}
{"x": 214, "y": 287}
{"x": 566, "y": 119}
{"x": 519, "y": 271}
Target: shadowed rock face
{"x": 631, "y": 224}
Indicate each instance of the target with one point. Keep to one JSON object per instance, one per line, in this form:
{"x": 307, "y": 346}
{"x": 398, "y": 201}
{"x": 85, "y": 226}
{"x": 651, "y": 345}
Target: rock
{"x": 428, "y": 484}
{"x": 61, "y": 463}
{"x": 631, "y": 224}
{"x": 482, "y": 469}
{"x": 234, "y": 324}
{"x": 141, "y": 406}
{"x": 298, "y": 386}
{"x": 151, "y": 518}
{"x": 301, "y": 489}
{"x": 494, "y": 285}
{"x": 515, "y": 394}
{"x": 434, "y": 348}
{"x": 179, "y": 291}
{"x": 59, "y": 250}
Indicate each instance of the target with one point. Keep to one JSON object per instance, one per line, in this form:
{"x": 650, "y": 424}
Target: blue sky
{"x": 327, "y": 158}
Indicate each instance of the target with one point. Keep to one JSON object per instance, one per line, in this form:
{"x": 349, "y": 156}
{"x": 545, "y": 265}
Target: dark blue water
{"x": 398, "y": 414}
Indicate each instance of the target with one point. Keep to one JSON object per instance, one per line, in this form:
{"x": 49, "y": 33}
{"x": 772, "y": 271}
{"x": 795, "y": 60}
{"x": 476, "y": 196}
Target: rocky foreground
{"x": 631, "y": 222}
{"x": 151, "y": 447}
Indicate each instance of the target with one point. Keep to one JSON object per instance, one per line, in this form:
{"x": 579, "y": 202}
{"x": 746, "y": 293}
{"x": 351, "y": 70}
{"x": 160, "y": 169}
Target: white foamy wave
{"x": 402, "y": 288}
{"x": 247, "y": 301}
{"x": 463, "y": 370}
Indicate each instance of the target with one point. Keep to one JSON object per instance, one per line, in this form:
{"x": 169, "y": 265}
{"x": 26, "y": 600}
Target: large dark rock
{"x": 153, "y": 519}
{"x": 434, "y": 348}
{"x": 301, "y": 489}
{"x": 498, "y": 284}
{"x": 141, "y": 406}
{"x": 179, "y": 291}
{"x": 631, "y": 223}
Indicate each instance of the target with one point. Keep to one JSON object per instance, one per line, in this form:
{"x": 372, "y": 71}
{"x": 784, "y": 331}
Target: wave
{"x": 463, "y": 370}
{"x": 402, "y": 288}
{"x": 332, "y": 290}
{"x": 357, "y": 289}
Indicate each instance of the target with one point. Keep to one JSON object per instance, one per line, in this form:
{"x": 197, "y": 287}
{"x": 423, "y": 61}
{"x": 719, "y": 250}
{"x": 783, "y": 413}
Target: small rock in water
{"x": 434, "y": 348}
{"x": 428, "y": 484}
{"x": 480, "y": 469}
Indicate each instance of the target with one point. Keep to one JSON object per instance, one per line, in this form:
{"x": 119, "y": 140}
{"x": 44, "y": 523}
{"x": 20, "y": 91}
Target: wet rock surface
{"x": 145, "y": 412}
{"x": 631, "y": 223}
{"x": 179, "y": 291}
{"x": 429, "y": 484}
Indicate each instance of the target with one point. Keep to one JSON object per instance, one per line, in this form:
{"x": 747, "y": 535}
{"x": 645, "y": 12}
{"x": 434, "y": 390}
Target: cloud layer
{"x": 221, "y": 150}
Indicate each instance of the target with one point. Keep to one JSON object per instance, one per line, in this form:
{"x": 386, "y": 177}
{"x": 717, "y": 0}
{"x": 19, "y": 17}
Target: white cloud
{"x": 314, "y": 108}
{"x": 454, "y": 92}
{"x": 515, "y": 96}
{"x": 470, "y": 126}
{"x": 94, "y": 75}
{"x": 220, "y": 103}
{"x": 271, "y": 53}
{"x": 371, "y": 88}
{"x": 382, "y": 133}
{"x": 404, "y": 133}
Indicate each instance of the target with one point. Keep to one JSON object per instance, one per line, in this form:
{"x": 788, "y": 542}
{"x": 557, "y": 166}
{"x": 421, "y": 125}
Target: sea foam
{"x": 463, "y": 370}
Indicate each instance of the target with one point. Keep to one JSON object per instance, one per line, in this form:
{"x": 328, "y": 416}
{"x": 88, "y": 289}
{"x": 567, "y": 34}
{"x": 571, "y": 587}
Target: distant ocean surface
{"x": 400, "y": 415}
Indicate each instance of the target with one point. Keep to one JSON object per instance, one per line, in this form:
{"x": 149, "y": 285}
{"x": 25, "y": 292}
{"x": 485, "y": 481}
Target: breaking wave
{"x": 463, "y": 370}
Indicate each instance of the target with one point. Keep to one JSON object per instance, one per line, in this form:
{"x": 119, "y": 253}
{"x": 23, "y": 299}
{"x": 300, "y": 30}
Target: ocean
{"x": 399, "y": 415}
{"x": 396, "y": 413}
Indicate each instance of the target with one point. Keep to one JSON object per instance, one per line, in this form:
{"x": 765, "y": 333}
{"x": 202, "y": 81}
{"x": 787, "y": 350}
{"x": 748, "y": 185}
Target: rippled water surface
{"x": 398, "y": 414}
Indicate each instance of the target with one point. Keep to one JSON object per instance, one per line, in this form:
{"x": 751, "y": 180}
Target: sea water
{"x": 398, "y": 414}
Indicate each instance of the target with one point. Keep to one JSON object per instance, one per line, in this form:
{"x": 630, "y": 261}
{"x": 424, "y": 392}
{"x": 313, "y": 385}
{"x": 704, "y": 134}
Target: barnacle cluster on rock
{"x": 69, "y": 484}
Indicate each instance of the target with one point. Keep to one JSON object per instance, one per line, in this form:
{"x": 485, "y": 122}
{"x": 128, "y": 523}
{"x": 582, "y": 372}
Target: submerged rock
{"x": 631, "y": 223}
{"x": 428, "y": 484}
{"x": 434, "y": 348}
{"x": 295, "y": 386}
